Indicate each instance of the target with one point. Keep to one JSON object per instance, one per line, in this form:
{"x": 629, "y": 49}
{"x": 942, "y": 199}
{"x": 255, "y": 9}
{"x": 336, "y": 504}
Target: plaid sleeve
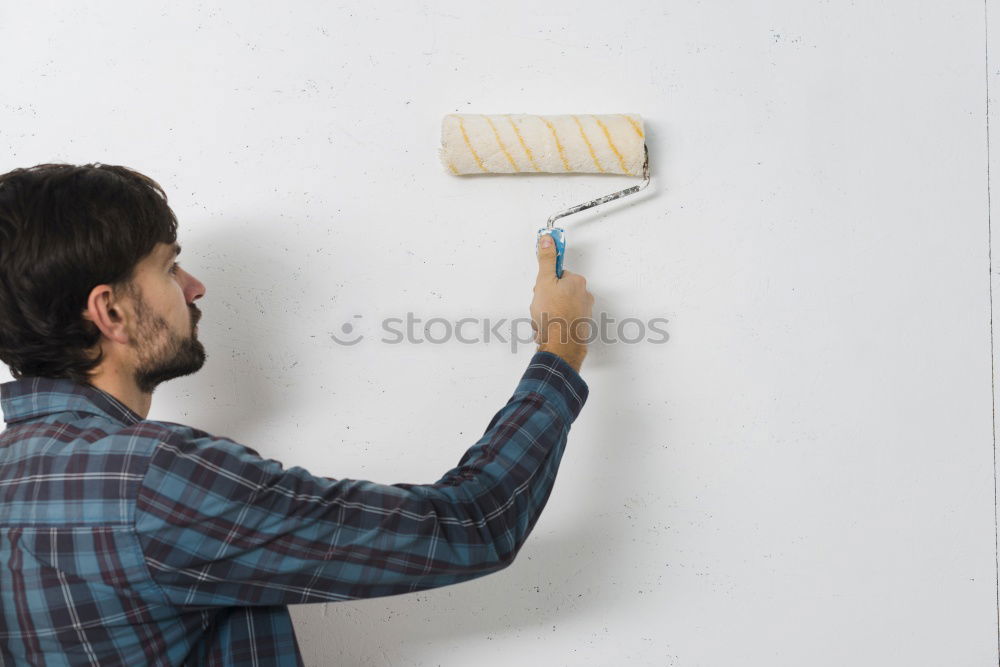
{"x": 219, "y": 525}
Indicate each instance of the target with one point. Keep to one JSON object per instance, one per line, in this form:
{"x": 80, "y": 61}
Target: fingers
{"x": 546, "y": 257}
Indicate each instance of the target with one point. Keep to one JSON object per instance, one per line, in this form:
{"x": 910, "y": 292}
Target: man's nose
{"x": 194, "y": 290}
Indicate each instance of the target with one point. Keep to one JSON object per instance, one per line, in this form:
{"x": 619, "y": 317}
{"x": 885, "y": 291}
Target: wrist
{"x": 572, "y": 353}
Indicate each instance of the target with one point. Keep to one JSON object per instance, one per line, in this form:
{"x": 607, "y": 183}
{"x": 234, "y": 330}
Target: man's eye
{"x": 173, "y": 269}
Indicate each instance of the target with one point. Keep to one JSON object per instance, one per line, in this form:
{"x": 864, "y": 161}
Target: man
{"x": 130, "y": 541}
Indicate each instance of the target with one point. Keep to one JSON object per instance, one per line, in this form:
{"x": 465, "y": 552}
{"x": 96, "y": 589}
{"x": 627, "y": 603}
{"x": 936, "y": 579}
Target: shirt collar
{"x": 33, "y": 397}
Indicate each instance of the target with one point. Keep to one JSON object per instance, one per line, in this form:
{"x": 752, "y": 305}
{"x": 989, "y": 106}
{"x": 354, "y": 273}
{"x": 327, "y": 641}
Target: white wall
{"x": 803, "y": 474}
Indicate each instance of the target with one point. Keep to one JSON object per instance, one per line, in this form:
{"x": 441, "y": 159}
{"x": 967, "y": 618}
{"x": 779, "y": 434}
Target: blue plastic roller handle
{"x": 559, "y": 236}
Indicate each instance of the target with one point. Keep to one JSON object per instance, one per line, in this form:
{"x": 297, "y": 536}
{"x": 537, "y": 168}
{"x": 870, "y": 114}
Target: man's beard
{"x": 162, "y": 354}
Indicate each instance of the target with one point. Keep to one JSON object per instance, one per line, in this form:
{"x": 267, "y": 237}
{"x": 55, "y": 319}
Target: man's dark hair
{"x": 64, "y": 229}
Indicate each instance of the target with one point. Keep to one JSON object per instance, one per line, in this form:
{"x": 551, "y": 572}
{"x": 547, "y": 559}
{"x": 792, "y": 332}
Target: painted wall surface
{"x": 801, "y": 474}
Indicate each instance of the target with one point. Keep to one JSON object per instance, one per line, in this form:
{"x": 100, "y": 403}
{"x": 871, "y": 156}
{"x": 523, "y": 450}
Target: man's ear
{"x": 107, "y": 313}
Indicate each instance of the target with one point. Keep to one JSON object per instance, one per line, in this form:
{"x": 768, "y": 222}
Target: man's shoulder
{"x": 148, "y": 434}
{"x": 139, "y": 440}
{"x": 185, "y": 438}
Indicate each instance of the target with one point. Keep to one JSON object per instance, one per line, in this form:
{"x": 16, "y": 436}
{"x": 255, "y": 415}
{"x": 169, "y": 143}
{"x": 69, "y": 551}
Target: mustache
{"x": 195, "y": 316}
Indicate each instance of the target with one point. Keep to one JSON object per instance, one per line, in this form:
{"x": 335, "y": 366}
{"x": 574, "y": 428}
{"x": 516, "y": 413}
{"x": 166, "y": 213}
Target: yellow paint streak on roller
{"x": 589, "y": 147}
{"x": 607, "y": 135}
{"x": 452, "y": 167}
{"x": 500, "y": 144}
{"x": 635, "y": 126}
{"x": 461, "y": 125}
{"x": 562, "y": 153}
{"x": 531, "y": 158}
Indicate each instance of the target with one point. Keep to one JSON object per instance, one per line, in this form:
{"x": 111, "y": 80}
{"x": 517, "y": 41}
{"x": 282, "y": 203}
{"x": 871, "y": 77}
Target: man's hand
{"x": 561, "y": 309}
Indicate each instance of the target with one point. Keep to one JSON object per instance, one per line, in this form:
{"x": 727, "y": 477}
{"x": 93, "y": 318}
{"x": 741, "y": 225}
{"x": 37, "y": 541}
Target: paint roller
{"x": 527, "y": 144}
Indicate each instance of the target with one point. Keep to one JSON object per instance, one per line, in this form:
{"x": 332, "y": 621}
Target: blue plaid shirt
{"x": 126, "y": 541}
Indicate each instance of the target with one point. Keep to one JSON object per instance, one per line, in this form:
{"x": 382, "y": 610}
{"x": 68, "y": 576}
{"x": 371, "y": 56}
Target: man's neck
{"x": 120, "y": 385}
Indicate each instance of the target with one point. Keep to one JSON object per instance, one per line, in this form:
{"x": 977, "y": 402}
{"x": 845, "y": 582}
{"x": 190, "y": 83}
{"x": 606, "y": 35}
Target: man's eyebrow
{"x": 175, "y": 251}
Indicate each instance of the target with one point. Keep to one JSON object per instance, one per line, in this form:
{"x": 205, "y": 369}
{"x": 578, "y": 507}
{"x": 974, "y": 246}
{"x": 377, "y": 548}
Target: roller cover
{"x": 525, "y": 144}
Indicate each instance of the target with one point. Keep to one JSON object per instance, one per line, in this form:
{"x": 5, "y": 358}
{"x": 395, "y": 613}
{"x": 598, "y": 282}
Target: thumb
{"x": 546, "y": 256}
